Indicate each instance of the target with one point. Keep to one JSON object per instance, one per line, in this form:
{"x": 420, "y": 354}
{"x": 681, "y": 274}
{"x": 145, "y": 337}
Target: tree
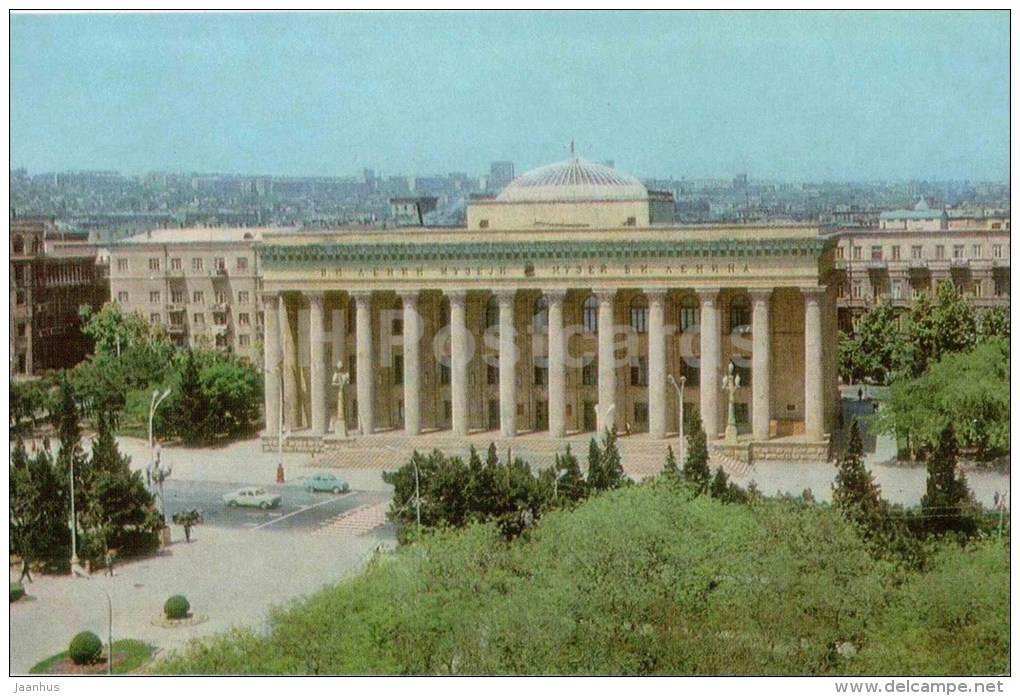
{"x": 233, "y": 394}
{"x": 696, "y": 470}
{"x": 38, "y": 510}
{"x": 670, "y": 470}
{"x": 969, "y": 390}
{"x": 570, "y": 486}
{"x": 118, "y": 505}
{"x": 947, "y": 325}
{"x": 30, "y": 401}
{"x": 190, "y": 407}
{"x": 873, "y": 353}
{"x": 187, "y": 520}
{"x": 720, "y": 482}
{"x": 995, "y": 322}
{"x": 855, "y": 492}
{"x": 946, "y": 491}
{"x": 605, "y": 469}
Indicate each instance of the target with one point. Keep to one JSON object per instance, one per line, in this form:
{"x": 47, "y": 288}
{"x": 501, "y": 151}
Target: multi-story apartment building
{"x": 51, "y": 276}
{"x": 901, "y": 264}
{"x": 203, "y": 284}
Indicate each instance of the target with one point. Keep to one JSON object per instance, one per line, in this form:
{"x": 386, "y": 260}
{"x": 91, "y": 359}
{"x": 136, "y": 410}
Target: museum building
{"x": 569, "y": 303}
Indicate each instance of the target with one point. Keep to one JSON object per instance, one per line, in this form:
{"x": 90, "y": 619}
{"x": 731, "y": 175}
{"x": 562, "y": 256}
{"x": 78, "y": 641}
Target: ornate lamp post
{"x": 156, "y": 473}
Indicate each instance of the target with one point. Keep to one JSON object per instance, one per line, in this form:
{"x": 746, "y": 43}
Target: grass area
{"x": 128, "y": 655}
{"x": 642, "y": 580}
{"x": 17, "y": 591}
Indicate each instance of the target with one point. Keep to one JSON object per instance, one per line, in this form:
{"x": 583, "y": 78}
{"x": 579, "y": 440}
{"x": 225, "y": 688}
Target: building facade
{"x": 51, "y": 276}
{"x": 203, "y": 284}
{"x": 561, "y": 308}
{"x": 902, "y": 264}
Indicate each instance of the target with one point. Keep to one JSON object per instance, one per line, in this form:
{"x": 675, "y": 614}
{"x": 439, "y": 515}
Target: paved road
{"x": 298, "y": 510}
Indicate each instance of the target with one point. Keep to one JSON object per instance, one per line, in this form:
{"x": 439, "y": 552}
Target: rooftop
{"x": 207, "y": 235}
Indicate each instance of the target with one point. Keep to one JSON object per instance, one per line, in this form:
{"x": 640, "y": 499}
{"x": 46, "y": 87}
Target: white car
{"x": 252, "y": 496}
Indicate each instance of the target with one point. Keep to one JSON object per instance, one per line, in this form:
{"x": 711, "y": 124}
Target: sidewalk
{"x": 231, "y": 576}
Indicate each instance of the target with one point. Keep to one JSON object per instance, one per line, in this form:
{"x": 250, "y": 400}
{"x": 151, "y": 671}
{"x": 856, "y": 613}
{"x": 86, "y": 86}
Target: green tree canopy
{"x": 969, "y": 390}
{"x": 873, "y": 353}
{"x": 949, "y": 324}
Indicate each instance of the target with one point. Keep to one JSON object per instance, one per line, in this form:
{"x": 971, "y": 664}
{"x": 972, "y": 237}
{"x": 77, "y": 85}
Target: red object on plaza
{"x": 279, "y": 473}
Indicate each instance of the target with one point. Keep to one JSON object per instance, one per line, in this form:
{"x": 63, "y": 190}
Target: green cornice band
{"x": 590, "y": 250}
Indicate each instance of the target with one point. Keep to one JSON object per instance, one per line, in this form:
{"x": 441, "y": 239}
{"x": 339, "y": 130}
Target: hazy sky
{"x": 802, "y": 96}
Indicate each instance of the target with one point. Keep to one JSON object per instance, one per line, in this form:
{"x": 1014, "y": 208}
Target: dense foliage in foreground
{"x": 642, "y": 580}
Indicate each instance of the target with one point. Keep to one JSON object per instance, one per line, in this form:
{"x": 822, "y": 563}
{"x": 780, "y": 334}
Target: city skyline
{"x": 844, "y": 97}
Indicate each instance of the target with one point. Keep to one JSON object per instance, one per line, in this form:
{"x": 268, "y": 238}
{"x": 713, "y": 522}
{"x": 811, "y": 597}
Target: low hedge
{"x": 85, "y": 648}
{"x": 177, "y": 607}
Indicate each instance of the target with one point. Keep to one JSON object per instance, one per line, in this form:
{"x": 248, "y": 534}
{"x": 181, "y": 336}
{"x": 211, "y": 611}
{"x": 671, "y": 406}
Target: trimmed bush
{"x": 177, "y": 607}
{"x": 85, "y": 649}
{"x": 17, "y": 591}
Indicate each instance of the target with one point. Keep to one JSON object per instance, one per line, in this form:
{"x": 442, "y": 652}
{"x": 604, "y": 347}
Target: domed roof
{"x": 573, "y": 179}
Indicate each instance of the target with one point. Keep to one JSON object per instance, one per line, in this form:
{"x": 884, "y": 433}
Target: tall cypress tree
{"x": 596, "y": 479}
{"x": 118, "y": 501}
{"x": 191, "y": 408}
{"x": 696, "y": 470}
{"x": 946, "y": 490}
{"x": 855, "y": 493}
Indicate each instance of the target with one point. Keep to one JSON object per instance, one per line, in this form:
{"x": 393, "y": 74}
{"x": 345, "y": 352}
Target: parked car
{"x": 252, "y": 496}
{"x": 326, "y": 482}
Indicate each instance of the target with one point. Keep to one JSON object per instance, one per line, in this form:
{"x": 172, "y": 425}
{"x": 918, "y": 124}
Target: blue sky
{"x": 795, "y": 96}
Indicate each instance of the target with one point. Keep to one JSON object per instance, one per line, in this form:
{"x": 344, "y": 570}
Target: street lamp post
{"x": 73, "y": 521}
{"x": 680, "y": 401}
{"x": 157, "y": 474}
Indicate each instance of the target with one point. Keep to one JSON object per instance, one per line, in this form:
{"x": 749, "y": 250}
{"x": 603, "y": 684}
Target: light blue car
{"x": 326, "y": 481}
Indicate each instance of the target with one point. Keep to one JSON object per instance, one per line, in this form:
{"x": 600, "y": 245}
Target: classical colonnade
{"x": 281, "y": 347}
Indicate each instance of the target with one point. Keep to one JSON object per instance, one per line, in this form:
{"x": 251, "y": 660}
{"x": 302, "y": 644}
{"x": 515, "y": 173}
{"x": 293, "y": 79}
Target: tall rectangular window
{"x": 154, "y": 297}
{"x": 242, "y": 263}
{"x": 639, "y": 373}
{"x": 154, "y": 264}
{"x": 398, "y": 368}
{"x": 896, "y": 253}
{"x": 122, "y": 264}
{"x": 197, "y": 263}
{"x": 940, "y": 252}
{"x": 916, "y": 252}
{"x": 175, "y": 264}
{"x": 590, "y": 373}
{"x": 122, "y": 297}
{"x": 198, "y": 297}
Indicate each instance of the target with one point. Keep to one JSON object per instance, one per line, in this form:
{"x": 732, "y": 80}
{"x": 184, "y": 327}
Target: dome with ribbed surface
{"x": 573, "y": 179}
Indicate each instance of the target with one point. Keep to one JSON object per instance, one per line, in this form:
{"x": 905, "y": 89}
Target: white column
{"x": 459, "y": 361}
{"x": 656, "y": 363}
{"x": 761, "y": 363}
{"x": 317, "y": 335}
{"x": 710, "y": 375}
{"x": 366, "y": 370}
{"x": 412, "y": 363}
{"x": 814, "y": 407}
{"x": 557, "y": 374}
{"x": 507, "y": 365}
{"x": 607, "y": 362}
{"x": 271, "y": 304}
{"x": 291, "y": 397}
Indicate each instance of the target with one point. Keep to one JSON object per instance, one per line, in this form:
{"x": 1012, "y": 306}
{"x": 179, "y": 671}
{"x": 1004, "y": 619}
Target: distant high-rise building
{"x": 500, "y": 174}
